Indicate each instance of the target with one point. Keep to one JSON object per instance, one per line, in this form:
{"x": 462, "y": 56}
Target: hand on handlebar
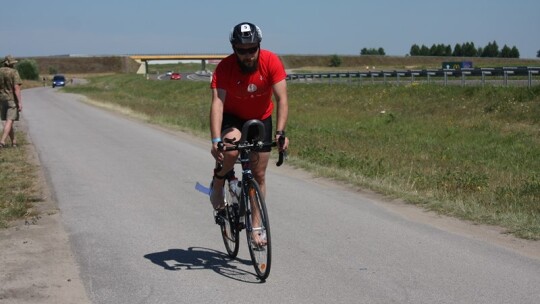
{"x": 219, "y": 148}
{"x": 217, "y": 151}
{"x": 283, "y": 142}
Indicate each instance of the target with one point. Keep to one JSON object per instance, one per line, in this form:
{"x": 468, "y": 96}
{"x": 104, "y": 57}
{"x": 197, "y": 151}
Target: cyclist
{"x": 242, "y": 88}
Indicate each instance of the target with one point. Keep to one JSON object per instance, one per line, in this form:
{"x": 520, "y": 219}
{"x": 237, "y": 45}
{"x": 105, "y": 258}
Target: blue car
{"x": 58, "y": 81}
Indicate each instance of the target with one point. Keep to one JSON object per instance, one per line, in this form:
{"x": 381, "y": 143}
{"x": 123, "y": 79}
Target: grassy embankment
{"x": 18, "y": 182}
{"x": 468, "y": 152}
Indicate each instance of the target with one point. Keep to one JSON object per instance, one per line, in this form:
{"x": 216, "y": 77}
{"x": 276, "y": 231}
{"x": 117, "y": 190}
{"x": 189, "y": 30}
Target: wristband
{"x": 216, "y": 140}
{"x": 282, "y": 133}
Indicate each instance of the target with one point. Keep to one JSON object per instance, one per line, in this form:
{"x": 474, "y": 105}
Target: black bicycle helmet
{"x": 245, "y": 33}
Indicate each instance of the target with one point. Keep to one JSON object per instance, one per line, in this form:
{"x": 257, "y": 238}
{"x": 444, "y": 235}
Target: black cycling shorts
{"x": 231, "y": 121}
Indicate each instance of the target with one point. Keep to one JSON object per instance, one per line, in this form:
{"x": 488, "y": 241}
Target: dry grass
{"x": 18, "y": 182}
{"x": 85, "y": 65}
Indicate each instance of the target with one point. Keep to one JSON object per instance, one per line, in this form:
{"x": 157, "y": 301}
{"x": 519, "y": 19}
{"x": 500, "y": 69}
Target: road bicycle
{"x": 245, "y": 207}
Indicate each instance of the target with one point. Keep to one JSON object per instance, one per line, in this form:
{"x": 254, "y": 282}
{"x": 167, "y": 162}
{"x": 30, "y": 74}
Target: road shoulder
{"x": 37, "y": 264}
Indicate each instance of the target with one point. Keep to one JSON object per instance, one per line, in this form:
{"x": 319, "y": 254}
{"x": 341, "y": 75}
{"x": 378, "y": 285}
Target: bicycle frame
{"x": 250, "y": 205}
{"x": 245, "y": 162}
{"x": 247, "y": 177}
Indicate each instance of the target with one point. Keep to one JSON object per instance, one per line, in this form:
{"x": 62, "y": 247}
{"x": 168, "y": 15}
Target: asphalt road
{"x": 141, "y": 233}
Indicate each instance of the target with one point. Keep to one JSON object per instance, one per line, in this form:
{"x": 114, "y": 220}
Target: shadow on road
{"x": 197, "y": 258}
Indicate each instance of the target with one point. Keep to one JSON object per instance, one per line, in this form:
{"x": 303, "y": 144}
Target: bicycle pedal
{"x": 220, "y": 220}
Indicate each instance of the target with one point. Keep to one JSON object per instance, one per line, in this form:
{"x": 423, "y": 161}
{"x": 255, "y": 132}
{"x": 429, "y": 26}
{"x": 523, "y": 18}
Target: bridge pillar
{"x": 143, "y": 68}
{"x": 203, "y": 65}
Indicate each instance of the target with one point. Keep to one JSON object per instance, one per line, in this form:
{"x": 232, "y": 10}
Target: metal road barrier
{"x": 465, "y": 76}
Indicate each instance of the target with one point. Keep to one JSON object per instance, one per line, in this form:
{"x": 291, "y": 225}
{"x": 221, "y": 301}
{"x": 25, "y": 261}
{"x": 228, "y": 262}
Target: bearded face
{"x": 247, "y": 57}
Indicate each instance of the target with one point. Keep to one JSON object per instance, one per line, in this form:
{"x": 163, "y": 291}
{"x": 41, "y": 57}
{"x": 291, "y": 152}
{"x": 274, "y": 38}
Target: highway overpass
{"x": 144, "y": 59}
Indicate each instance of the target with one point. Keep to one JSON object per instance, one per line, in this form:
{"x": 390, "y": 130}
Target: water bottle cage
{"x": 235, "y": 189}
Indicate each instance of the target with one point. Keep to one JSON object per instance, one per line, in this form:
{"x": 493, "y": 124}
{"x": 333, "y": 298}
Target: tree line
{"x": 467, "y": 49}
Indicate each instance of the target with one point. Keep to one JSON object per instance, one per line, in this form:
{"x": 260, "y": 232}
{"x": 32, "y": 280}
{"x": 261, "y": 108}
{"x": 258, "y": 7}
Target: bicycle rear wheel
{"x": 229, "y": 229}
{"x": 258, "y": 231}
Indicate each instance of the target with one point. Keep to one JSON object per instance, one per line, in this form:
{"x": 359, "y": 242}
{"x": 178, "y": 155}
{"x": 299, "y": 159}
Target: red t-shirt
{"x": 249, "y": 96}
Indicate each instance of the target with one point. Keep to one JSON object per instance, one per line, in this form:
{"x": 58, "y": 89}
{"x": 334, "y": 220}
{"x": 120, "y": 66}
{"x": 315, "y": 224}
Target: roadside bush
{"x": 28, "y": 69}
{"x": 335, "y": 61}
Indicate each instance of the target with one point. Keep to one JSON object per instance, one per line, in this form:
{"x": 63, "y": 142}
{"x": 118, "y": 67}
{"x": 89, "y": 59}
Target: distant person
{"x": 242, "y": 88}
{"x": 10, "y": 99}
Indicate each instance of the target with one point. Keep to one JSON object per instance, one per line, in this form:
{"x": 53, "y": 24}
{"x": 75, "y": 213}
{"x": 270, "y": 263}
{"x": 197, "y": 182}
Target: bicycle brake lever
{"x": 282, "y": 154}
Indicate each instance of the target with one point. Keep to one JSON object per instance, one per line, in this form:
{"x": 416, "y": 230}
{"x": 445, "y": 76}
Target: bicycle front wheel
{"x": 258, "y": 231}
{"x": 229, "y": 228}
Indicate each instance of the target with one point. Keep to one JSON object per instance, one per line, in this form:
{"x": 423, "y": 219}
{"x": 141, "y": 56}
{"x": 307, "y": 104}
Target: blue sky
{"x": 343, "y": 27}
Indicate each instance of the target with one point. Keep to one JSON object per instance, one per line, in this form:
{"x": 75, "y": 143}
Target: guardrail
{"x": 502, "y": 75}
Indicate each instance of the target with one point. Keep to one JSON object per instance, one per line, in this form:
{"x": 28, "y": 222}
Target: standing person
{"x": 242, "y": 88}
{"x": 10, "y": 98}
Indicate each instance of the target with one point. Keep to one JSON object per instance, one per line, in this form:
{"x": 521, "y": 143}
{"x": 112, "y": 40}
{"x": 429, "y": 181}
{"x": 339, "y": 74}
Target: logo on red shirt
{"x": 252, "y": 88}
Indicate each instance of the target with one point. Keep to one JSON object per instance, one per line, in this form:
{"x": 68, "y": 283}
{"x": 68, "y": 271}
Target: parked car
{"x": 176, "y": 76}
{"x": 168, "y": 73}
{"x": 58, "y": 81}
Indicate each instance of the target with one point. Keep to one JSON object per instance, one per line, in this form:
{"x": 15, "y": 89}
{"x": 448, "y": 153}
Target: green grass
{"x": 467, "y": 152}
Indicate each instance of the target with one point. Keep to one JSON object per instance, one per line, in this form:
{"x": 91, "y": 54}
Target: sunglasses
{"x": 252, "y": 50}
